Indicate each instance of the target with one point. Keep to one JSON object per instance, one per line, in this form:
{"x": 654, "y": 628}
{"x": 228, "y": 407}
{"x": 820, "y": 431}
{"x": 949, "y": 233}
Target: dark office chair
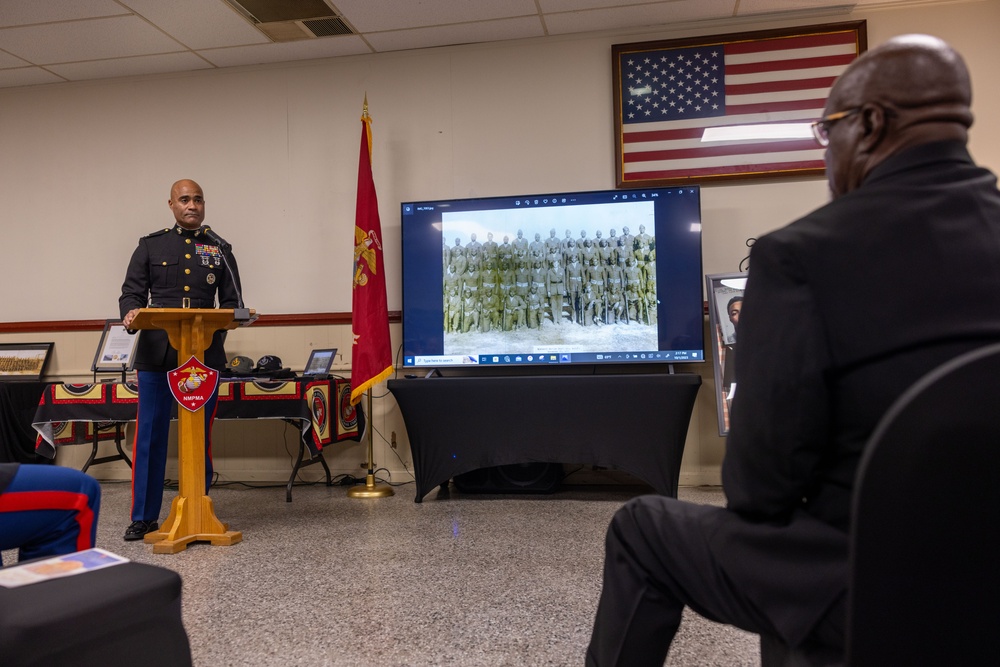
{"x": 925, "y": 568}
{"x": 924, "y": 572}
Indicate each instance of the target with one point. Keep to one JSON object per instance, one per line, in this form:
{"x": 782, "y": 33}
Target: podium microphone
{"x": 240, "y": 313}
{"x": 218, "y": 240}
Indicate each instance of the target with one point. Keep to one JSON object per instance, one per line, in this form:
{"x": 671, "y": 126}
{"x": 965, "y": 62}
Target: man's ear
{"x": 874, "y": 126}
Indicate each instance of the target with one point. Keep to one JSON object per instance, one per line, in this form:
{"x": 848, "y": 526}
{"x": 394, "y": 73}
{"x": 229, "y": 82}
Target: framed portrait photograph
{"x": 24, "y": 361}
{"x": 722, "y": 107}
{"x": 116, "y": 350}
{"x": 725, "y": 301}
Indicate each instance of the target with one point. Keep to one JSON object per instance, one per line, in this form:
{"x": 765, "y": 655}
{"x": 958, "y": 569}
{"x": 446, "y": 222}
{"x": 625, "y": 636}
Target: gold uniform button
{"x": 164, "y": 264}
{"x": 187, "y": 256}
{"x": 187, "y": 288}
{"x": 187, "y": 270}
{"x": 187, "y": 240}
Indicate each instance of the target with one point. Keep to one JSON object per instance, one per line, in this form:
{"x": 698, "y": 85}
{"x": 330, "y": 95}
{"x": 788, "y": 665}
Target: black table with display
{"x": 636, "y": 423}
{"x": 87, "y": 413}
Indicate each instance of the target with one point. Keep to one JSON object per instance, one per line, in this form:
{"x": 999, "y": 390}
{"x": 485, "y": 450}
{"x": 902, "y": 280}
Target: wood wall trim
{"x": 286, "y": 320}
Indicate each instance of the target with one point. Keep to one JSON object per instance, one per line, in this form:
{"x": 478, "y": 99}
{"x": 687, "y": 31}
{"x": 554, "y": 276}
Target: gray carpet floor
{"x": 460, "y": 579}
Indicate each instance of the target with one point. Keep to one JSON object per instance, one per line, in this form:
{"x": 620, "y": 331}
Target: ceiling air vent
{"x": 328, "y": 27}
{"x": 292, "y": 20}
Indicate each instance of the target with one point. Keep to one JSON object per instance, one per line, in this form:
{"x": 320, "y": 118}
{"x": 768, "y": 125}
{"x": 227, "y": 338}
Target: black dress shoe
{"x": 138, "y": 529}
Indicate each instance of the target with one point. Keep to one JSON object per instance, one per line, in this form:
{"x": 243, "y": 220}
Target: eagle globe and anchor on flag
{"x": 365, "y": 255}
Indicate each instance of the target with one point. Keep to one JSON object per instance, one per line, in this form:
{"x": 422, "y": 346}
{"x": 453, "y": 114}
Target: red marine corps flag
{"x": 371, "y": 360}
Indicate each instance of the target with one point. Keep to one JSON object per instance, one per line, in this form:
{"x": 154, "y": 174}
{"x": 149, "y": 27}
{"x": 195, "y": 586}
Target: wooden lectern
{"x": 192, "y": 517}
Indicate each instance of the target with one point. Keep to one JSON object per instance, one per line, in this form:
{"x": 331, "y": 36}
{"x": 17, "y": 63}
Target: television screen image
{"x": 587, "y": 277}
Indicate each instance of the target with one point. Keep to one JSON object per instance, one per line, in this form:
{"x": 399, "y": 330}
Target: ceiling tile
{"x": 368, "y": 16}
{"x": 552, "y": 6}
{"x": 748, "y": 7}
{"x": 106, "y": 69}
{"x": 844, "y": 6}
{"x": 25, "y": 12}
{"x": 199, "y": 24}
{"x": 665, "y": 13}
{"x": 26, "y": 76}
{"x": 487, "y": 31}
{"x": 326, "y": 47}
{"x": 86, "y": 40}
{"x": 7, "y": 60}
{"x": 106, "y": 38}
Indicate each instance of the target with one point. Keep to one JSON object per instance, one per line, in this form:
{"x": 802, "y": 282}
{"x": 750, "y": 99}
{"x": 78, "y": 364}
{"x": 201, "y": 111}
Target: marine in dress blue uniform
{"x": 47, "y": 510}
{"x": 176, "y": 267}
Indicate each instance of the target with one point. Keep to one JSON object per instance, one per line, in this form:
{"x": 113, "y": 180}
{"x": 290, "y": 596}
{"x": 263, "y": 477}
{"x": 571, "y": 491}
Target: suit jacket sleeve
{"x": 780, "y": 427}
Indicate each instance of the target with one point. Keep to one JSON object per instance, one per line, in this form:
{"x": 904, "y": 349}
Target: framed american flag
{"x": 769, "y": 84}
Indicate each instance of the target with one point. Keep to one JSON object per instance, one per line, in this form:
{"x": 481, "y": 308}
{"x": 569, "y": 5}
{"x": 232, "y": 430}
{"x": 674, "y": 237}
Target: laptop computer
{"x": 319, "y": 363}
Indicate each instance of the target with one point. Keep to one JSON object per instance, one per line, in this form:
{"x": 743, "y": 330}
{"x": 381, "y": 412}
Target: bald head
{"x": 187, "y": 201}
{"x": 912, "y": 72}
{"x": 911, "y": 90}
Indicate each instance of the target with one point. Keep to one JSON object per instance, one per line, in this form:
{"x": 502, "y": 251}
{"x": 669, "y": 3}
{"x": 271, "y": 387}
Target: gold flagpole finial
{"x": 367, "y": 120}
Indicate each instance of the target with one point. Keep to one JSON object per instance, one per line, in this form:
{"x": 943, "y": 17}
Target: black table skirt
{"x": 18, "y": 402}
{"x": 635, "y": 423}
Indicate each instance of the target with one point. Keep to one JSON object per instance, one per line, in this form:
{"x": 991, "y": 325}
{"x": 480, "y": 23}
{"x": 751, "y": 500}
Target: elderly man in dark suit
{"x": 843, "y": 310}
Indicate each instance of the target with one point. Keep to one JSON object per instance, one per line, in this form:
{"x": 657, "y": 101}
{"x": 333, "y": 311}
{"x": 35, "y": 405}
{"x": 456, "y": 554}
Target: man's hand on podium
{"x": 129, "y": 316}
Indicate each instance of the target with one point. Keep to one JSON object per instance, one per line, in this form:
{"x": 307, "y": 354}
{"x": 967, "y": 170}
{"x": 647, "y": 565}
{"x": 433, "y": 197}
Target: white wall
{"x": 85, "y": 170}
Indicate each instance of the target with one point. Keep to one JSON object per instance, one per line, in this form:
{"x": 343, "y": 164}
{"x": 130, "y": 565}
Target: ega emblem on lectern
{"x": 193, "y": 383}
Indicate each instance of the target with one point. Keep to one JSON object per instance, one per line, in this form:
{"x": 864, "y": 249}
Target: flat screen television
{"x": 602, "y": 277}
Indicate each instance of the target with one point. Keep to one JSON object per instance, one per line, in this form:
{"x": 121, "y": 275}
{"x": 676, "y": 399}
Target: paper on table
{"x": 58, "y": 566}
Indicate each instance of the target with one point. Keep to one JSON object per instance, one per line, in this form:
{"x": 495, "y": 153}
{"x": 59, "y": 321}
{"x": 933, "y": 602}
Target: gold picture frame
{"x": 756, "y": 92}
{"x": 24, "y": 361}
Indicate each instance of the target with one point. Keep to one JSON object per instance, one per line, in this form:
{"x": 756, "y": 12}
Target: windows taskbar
{"x": 553, "y": 358}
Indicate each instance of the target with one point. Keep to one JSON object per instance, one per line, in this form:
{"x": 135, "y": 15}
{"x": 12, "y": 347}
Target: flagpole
{"x": 371, "y": 359}
{"x": 370, "y": 489}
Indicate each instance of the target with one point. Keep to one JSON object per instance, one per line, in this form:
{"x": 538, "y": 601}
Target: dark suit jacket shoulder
{"x": 843, "y": 310}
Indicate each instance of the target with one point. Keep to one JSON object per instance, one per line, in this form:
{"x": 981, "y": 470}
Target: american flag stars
{"x": 674, "y": 84}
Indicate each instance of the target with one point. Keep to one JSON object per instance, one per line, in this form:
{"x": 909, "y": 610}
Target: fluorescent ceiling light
{"x": 758, "y": 132}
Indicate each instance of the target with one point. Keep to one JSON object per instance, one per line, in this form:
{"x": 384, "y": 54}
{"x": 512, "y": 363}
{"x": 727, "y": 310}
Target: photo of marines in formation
{"x": 584, "y": 281}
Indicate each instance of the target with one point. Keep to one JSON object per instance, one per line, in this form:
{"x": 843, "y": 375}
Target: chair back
{"x": 925, "y": 564}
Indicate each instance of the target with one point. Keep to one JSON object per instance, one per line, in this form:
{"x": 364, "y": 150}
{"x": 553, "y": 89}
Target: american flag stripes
{"x": 668, "y": 93}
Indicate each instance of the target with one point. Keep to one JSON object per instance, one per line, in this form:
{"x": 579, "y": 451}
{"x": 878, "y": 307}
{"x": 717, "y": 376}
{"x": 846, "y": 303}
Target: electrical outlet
{"x": 392, "y": 440}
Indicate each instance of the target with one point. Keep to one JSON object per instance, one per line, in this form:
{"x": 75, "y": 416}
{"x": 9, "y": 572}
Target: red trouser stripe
{"x": 27, "y": 501}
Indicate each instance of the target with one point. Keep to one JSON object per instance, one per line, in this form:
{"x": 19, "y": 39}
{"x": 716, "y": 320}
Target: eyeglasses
{"x": 821, "y": 128}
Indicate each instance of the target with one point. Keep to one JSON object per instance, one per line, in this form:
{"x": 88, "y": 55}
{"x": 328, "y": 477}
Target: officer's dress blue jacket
{"x": 171, "y": 265}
